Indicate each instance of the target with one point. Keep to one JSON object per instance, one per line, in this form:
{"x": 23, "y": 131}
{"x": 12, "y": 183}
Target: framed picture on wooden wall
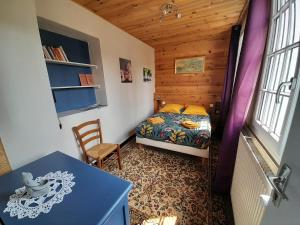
{"x": 189, "y": 65}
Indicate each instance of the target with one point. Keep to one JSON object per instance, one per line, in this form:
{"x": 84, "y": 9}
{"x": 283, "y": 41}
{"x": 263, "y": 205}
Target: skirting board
{"x": 204, "y": 153}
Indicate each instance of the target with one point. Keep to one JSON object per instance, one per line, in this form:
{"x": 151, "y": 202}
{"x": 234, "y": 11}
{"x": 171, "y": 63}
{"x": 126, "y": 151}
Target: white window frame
{"x": 275, "y": 145}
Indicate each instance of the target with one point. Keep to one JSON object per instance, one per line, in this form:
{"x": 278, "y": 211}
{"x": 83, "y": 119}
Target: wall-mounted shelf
{"x": 75, "y": 87}
{"x": 71, "y": 63}
{"x": 84, "y": 54}
{"x": 74, "y": 111}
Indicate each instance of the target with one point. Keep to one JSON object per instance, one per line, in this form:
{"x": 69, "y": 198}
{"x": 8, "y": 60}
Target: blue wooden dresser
{"x": 97, "y": 197}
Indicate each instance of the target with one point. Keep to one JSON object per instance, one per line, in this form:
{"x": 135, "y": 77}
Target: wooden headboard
{"x": 204, "y": 100}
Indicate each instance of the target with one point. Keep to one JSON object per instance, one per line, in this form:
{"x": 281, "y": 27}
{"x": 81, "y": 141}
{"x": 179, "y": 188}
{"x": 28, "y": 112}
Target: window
{"x": 279, "y": 74}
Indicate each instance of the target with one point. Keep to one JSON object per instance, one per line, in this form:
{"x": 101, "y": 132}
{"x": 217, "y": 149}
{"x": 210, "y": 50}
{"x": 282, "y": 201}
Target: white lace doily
{"x": 22, "y": 205}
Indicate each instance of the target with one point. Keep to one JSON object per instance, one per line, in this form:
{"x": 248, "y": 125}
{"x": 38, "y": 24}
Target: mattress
{"x": 172, "y": 131}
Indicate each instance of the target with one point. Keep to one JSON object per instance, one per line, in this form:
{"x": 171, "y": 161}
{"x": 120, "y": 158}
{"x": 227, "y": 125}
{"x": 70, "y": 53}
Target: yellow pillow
{"x": 196, "y": 110}
{"x": 172, "y": 108}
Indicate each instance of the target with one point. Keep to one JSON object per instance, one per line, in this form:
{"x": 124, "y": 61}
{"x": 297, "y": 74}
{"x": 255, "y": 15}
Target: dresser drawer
{"x": 120, "y": 214}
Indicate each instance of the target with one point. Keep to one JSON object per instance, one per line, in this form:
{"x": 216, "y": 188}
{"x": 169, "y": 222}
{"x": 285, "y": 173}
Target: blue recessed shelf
{"x": 81, "y": 54}
{"x": 68, "y": 93}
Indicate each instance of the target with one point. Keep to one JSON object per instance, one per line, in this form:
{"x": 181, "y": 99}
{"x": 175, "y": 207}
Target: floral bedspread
{"x": 173, "y": 132}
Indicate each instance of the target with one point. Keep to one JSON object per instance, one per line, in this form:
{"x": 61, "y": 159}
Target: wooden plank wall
{"x": 201, "y": 89}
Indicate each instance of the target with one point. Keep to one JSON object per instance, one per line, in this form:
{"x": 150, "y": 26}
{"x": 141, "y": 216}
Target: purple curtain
{"x": 229, "y": 77}
{"x": 252, "y": 52}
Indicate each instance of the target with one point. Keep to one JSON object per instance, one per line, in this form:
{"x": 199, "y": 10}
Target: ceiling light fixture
{"x": 169, "y": 9}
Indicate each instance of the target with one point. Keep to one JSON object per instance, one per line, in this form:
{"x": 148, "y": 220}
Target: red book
{"x": 55, "y": 53}
{"x": 83, "y": 80}
{"x": 59, "y": 56}
{"x": 89, "y": 79}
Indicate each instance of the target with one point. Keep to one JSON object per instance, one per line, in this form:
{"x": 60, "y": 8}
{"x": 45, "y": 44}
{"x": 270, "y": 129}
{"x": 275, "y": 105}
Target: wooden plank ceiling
{"x": 201, "y": 19}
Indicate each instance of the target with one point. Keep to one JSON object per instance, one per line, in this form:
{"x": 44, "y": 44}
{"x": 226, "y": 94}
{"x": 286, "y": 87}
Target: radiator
{"x": 248, "y": 186}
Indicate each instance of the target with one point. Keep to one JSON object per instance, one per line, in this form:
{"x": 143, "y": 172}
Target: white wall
{"x": 28, "y": 126}
{"x": 127, "y": 103}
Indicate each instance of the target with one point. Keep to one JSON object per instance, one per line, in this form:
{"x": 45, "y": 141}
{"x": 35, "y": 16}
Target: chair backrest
{"x": 88, "y": 135}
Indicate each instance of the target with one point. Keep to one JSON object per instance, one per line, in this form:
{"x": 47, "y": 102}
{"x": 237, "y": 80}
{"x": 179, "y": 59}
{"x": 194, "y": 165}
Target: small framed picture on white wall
{"x": 125, "y": 70}
{"x": 147, "y": 74}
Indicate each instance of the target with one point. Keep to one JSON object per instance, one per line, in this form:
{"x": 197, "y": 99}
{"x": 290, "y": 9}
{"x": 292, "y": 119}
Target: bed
{"x": 173, "y": 136}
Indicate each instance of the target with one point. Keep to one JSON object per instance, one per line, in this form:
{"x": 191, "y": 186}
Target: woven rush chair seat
{"x": 101, "y": 151}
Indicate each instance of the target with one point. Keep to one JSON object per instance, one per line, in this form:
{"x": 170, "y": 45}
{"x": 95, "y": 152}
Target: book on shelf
{"x": 86, "y": 79}
{"x": 51, "y": 53}
{"x": 55, "y": 56}
{"x": 58, "y": 54}
{"x": 55, "y": 53}
{"x": 89, "y": 79}
{"x": 63, "y": 53}
{"x": 46, "y": 53}
{"x": 82, "y": 78}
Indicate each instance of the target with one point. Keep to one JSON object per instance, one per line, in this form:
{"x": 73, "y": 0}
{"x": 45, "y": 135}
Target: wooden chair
{"x": 99, "y": 151}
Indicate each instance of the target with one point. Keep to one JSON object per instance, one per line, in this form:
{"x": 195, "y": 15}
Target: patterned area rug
{"x": 219, "y": 203}
{"x": 167, "y": 184}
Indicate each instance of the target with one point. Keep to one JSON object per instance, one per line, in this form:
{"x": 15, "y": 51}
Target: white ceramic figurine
{"x": 33, "y": 188}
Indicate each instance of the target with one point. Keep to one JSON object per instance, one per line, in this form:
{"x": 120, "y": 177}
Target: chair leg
{"x": 119, "y": 157}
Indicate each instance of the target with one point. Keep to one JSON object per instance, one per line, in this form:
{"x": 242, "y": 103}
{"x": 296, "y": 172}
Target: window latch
{"x": 291, "y": 83}
{"x": 279, "y": 184}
